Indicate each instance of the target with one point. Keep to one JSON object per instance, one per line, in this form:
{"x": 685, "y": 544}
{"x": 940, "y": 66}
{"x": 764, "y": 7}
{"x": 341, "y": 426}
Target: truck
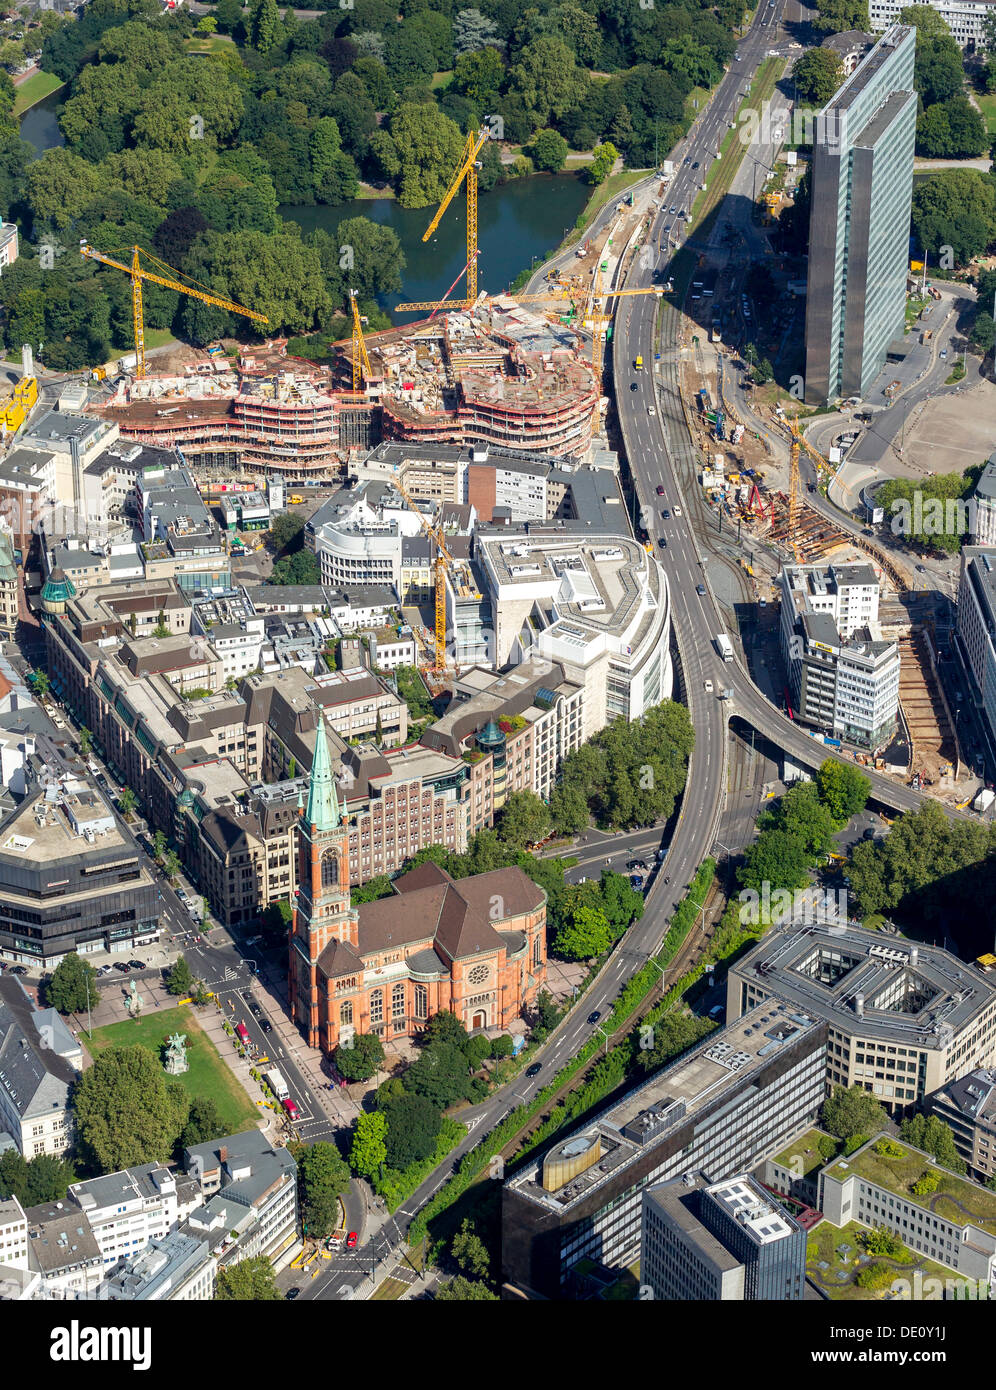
{"x": 984, "y": 800}
{"x": 277, "y": 1084}
{"x": 724, "y": 646}
{"x": 128, "y": 362}
{"x": 926, "y": 335}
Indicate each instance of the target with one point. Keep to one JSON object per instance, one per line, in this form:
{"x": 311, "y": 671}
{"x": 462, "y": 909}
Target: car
{"x": 868, "y": 531}
{"x": 595, "y": 1016}
{"x": 291, "y": 1294}
{"x": 921, "y": 569}
{"x": 18, "y": 969}
{"x": 700, "y": 590}
{"x": 869, "y": 833}
{"x": 660, "y": 489}
{"x": 636, "y": 864}
{"x": 636, "y": 880}
{"x": 103, "y": 970}
{"x": 662, "y": 542}
{"x": 351, "y": 1240}
{"x": 535, "y": 1069}
{"x": 266, "y": 1025}
{"x": 708, "y": 687}
{"x": 695, "y": 165}
{"x": 665, "y": 514}
{"x": 944, "y": 354}
{"x": 687, "y": 160}
{"x": 672, "y": 210}
{"x": 651, "y": 410}
{"x": 120, "y": 965}
{"x": 634, "y": 386}
{"x": 136, "y": 965}
{"x": 677, "y": 511}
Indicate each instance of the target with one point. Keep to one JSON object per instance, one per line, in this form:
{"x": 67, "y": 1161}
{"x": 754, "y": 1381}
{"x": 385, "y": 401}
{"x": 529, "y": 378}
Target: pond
{"x": 517, "y": 222}
{"x": 39, "y": 125}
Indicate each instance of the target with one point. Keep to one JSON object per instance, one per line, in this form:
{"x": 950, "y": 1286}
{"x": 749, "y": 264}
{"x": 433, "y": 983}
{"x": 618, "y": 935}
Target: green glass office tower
{"x": 862, "y": 186}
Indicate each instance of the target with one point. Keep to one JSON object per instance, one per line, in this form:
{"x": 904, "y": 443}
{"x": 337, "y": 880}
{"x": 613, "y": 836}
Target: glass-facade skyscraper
{"x": 862, "y": 187}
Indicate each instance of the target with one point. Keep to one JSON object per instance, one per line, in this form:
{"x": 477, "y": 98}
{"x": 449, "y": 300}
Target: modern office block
{"x": 725, "y": 1241}
{"x": 862, "y": 186}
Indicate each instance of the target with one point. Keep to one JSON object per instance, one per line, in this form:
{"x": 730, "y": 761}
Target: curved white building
{"x": 357, "y": 536}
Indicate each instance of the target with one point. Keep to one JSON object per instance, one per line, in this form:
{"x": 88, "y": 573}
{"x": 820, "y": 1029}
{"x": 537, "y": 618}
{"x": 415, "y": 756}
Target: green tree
{"x": 472, "y": 31}
{"x": 286, "y": 534}
{"x": 180, "y": 980}
{"x": 778, "y": 858}
{"x": 127, "y": 1110}
{"x": 361, "y": 1059}
{"x": 839, "y": 16}
{"x": 264, "y": 25}
{"x": 984, "y": 332}
{"x": 585, "y": 935}
{"x": 569, "y": 809}
{"x": 43, "y": 1178}
{"x": 502, "y": 1046}
{"x": 73, "y": 984}
{"x": 605, "y": 156}
{"x": 368, "y": 1153}
{"x": 441, "y": 1073}
{"x": 931, "y": 1134}
{"x": 445, "y": 1027}
{"x": 248, "y": 1281}
{"x": 548, "y": 151}
{"x": 464, "y": 1291}
{"x": 851, "y": 1111}
{"x": 429, "y": 145}
{"x": 929, "y": 24}
{"x": 523, "y": 820}
{"x": 171, "y": 864}
{"x": 956, "y": 208}
{"x": 127, "y": 801}
{"x": 469, "y": 1252}
{"x": 322, "y": 1178}
{"x": 547, "y": 79}
{"x": 479, "y": 76}
{"x": 86, "y": 741}
{"x": 413, "y": 1124}
{"x": 378, "y": 260}
{"x": 207, "y": 25}
{"x": 817, "y": 75}
{"x": 843, "y": 789}
{"x": 203, "y": 1123}
{"x": 801, "y": 813}
{"x": 39, "y": 681}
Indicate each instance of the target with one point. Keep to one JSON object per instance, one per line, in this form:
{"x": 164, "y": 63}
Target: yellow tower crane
{"x": 360, "y": 358}
{"x": 793, "y": 519}
{"x": 444, "y": 562}
{"x": 468, "y": 170}
{"x": 168, "y": 279}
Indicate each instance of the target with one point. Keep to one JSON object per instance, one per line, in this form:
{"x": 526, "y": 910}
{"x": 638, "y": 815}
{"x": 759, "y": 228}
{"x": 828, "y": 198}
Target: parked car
{"x": 18, "y": 969}
{"x": 265, "y": 1025}
{"x": 636, "y": 880}
{"x": 136, "y": 965}
{"x": 120, "y": 965}
{"x": 291, "y": 1294}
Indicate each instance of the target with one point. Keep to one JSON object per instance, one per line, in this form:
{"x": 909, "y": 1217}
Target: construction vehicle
{"x": 163, "y": 275}
{"x": 99, "y": 374}
{"x": 296, "y": 499}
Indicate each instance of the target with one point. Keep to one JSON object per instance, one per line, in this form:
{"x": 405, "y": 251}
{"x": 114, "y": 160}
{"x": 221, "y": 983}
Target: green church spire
{"x": 322, "y": 810}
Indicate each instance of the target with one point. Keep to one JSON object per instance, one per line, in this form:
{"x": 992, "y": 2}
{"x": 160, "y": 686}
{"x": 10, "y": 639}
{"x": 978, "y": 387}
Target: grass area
{"x": 208, "y": 43}
{"x": 366, "y": 191}
{"x": 914, "y": 306}
{"x": 158, "y": 337}
{"x": 388, "y": 1291}
{"x": 987, "y": 105}
{"x": 37, "y": 88}
{"x": 900, "y": 1173}
{"x": 208, "y": 1075}
{"x": 957, "y": 373}
{"x": 613, "y": 186}
{"x": 803, "y": 1156}
{"x": 722, "y": 170}
{"x": 440, "y": 79}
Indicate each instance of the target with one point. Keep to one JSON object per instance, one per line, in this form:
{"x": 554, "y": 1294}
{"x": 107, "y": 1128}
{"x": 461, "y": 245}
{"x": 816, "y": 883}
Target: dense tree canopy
{"x": 128, "y": 1110}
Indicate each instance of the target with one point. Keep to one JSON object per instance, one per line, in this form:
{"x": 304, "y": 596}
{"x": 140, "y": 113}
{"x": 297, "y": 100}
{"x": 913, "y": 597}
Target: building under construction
{"x": 497, "y": 373}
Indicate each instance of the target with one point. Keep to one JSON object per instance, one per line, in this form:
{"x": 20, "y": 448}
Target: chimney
{"x": 859, "y": 1005}
{"x": 223, "y": 1153}
{"x": 914, "y": 955}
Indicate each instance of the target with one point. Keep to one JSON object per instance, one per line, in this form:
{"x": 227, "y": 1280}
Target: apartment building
{"x": 8, "y": 588}
{"x": 8, "y": 244}
{"x": 175, "y": 1268}
{"x": 862, "y": 187}
{"x": 902, "y": 1020}
{"x": 844, "y": 678}
{"x": 63, "y": 1251}
{"x": 254, "y": 1175}
{"x": 40, "y": 1061}
{"x": 240, "y": 843}
{"x": 129, "y": 1209}
{"x": 719, "y": 1108}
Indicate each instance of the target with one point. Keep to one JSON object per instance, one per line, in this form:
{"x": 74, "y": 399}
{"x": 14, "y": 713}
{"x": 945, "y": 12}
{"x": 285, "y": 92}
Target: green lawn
{"x": 208, "y": 43}
{"x": 837, "y": 1280}
{"x": 389, "y": 1290}
{"x": 158, "y": 337}
{"x": 208, "y": 1074}
{"x": 613, "y": 186}
{"x": 987, "y": 105}
{"x": 37, "y": 87}
{"x": 805, "y": 1151}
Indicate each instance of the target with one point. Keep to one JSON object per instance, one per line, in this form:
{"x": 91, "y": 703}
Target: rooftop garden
{"x": 808, "y": 1152}
{"x": 909, "y": 1173}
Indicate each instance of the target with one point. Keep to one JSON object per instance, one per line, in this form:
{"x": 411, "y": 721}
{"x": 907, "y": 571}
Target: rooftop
{"x": 954, "y": 1199}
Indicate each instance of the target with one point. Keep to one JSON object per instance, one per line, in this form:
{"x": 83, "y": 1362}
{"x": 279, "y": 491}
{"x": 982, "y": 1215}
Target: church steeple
{"x": 322, "y": 810}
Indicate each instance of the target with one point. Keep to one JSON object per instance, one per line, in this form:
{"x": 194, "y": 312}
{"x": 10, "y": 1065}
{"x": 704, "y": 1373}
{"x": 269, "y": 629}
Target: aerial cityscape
{"x": 498, "y": 652}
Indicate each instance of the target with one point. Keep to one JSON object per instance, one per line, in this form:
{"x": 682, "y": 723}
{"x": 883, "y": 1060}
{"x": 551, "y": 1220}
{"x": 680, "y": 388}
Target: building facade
{"x": 40, "y": 1062}
{"x": 976, "y": 635}
{"x": 862, "y": 186}
{"x": 968, "y": 1106}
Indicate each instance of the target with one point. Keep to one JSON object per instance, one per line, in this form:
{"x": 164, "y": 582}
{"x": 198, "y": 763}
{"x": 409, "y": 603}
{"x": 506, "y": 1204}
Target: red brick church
{"x": 475, "y": 946}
